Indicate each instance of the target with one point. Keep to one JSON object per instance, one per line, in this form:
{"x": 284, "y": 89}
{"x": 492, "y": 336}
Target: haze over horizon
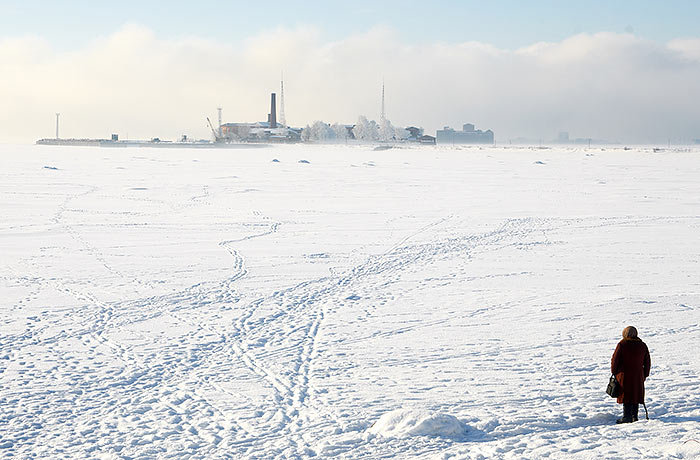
{"x": 623, "y": 73}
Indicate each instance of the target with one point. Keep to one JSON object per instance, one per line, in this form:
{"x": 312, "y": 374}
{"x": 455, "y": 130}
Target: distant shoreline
{"x": 160, "y": 144}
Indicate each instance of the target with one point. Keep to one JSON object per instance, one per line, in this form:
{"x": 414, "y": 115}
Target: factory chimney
{"x": 272, "y": 118}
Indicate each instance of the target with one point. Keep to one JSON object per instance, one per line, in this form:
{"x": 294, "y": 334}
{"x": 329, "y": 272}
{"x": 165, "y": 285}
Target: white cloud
{"x": 688, "y": 48}
{"x": 612, "y": 86}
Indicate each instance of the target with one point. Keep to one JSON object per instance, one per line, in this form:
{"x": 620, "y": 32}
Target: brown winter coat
{"x": 631, "y": 364}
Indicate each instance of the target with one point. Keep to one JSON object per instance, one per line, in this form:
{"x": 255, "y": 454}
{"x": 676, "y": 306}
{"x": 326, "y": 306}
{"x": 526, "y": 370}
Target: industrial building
{"x": 261, "y": 131}
{"x": 468, "y": 135}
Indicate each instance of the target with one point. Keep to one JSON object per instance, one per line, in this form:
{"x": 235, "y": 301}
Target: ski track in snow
{"x": 247, "y": 365}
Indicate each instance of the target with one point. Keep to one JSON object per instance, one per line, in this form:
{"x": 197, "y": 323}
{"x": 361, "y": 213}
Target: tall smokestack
{"x": 273, "y": 111}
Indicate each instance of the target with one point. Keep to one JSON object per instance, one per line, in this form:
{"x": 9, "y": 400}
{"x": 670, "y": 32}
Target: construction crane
{"x": 217, "y": 137}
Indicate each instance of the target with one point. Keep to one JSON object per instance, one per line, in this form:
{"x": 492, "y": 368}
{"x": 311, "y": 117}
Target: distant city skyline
{"x": 621, "y": 71}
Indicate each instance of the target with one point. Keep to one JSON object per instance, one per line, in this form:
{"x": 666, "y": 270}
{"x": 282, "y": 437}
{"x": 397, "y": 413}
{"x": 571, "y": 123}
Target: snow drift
{"x": 404, "y": 423}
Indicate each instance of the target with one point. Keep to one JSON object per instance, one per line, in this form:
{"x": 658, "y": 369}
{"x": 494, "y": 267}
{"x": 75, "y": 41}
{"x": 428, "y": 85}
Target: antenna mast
{"x": 219, "y": 109}
{"x": 283, "y": 121}
{"x": 382, "y": 116}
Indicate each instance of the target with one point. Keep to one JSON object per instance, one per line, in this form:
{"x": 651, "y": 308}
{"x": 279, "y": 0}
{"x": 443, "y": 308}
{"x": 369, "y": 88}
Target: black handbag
{"x": 613, "y": 387}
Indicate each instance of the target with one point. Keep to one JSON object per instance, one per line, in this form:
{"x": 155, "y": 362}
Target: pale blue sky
{"x": 507, "y": 24}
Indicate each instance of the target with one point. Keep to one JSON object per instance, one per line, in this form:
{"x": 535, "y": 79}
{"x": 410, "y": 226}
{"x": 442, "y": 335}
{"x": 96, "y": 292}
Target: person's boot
{"x": 635, "y": 412}
{"x": 626, "y": 414}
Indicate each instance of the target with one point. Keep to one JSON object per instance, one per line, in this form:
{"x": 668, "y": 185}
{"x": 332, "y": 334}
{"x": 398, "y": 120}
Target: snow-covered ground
{"x": 410, "y": 303}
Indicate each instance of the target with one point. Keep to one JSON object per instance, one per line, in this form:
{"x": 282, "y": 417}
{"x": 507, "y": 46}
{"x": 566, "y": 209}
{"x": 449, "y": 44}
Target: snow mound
{"x": 689, "y": 449}
{"x": 404, "y": 423}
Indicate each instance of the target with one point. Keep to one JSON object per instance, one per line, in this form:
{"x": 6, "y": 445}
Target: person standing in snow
{"x": 630, "y": 364}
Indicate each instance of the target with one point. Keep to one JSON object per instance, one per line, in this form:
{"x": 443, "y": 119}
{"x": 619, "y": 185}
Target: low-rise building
{"x": 414, "y": 133}
{"x": 237, "y": 131}
{"x": 468, "y": 135}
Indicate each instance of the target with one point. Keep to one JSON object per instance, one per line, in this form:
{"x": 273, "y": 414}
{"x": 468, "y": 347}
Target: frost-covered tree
{"x": 319, "y": 131}
{"x": 366, "y": 130}
{"x": 386, "y": 131}
{"x": 341, "y": 132}
{"x": 401, "y": 133}
{"x": 322, "y": 131}
{"x": 306, "y": 134}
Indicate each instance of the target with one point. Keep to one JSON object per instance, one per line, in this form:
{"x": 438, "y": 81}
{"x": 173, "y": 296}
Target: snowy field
{"x": 437, "y": 303}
